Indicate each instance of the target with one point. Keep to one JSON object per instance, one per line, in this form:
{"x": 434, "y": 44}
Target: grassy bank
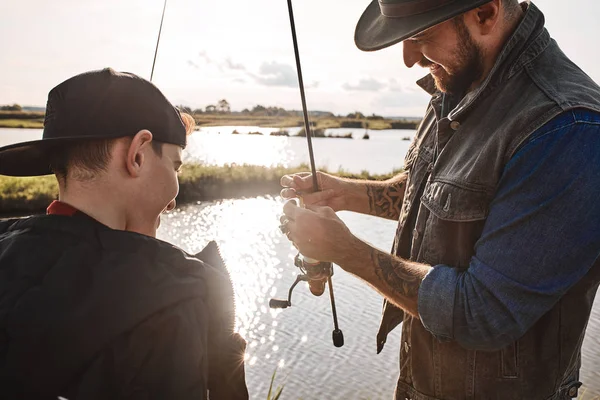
{"x": 18, "y": 119}
{"x": 288, "y": 122}
{"x": 21, "y": 119}
{"x": 197, "y": 183}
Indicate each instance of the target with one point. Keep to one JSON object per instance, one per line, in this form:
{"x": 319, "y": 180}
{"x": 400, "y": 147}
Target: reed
{"x": 197, "y": 182}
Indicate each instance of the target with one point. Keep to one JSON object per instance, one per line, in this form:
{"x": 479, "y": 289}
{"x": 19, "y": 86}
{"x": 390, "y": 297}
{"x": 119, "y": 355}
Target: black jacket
{"x": 89, "y": 312}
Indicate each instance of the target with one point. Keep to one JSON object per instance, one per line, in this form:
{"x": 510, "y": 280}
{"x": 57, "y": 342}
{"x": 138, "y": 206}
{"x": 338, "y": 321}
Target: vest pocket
{"x": 457, "y": 202}
{"x": 509, "y": 361}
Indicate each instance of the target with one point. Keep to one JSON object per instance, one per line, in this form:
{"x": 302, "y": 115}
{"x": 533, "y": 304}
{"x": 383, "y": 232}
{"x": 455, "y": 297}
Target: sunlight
{"x": 228, "y": 148}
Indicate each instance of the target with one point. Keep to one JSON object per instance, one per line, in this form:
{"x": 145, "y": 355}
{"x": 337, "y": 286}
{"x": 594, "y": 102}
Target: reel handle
{"x": 277, "y": 303}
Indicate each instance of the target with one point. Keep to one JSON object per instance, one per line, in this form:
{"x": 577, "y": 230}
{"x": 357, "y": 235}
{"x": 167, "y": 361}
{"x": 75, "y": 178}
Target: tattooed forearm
{"x": 398, "y": 280}
{"x": 397, "y": 273}
{"x": 385, "y": 199}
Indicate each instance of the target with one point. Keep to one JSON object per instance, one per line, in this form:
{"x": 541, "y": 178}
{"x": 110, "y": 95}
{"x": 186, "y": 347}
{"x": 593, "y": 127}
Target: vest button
{"x": 454, "y": 125}
{"x": 573, "y": 391}
{"x": 416, "y": 234}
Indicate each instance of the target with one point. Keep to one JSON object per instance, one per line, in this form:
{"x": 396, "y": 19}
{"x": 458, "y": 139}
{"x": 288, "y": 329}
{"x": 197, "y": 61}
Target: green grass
{"x": 26, "y": 194}
{"x": 288, "y": 122}
{"x": 22, "y": 123}
{"x": 274, "y": 395}
{"x": 197, "y": 182}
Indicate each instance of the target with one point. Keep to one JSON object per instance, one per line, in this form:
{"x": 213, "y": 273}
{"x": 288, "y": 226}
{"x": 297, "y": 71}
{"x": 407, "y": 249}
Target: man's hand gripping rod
{"x": 315, "y": 272}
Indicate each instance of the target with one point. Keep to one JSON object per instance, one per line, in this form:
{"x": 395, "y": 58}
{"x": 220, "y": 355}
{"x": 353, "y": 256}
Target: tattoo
{"x": 397, "y": 273}
{"x": 386, "y": 200}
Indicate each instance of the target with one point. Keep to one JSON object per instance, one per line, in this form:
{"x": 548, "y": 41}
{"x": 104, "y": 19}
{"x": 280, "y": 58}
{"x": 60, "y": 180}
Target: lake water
{"x": 216, "y": 145}
{"x": 297, "y": 341}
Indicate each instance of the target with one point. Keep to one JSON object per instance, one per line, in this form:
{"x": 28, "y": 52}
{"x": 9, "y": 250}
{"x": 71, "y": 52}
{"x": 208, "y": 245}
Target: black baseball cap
{"x": 101, "y": 104}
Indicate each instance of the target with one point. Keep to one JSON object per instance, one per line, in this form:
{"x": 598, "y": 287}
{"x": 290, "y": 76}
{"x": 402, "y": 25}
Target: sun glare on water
{"x": 251, "y": 244}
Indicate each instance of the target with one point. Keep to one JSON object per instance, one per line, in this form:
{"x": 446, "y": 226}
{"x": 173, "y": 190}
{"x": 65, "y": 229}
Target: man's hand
{"x": 317, "y": 232}
{"x": 335, "y": 192}
{"x": 378, "y": 198}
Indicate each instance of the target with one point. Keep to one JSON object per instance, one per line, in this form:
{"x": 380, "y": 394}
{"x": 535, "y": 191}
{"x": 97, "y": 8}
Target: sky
{"x": 238, "y": 50}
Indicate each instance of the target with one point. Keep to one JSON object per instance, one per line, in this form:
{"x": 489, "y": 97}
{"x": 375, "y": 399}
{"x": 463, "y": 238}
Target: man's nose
{"x": 171, "y": 205}
{"x": 411, "y": 53}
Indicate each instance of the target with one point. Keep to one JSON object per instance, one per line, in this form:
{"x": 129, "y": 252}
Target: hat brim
{"x": 33, "y": 158}
{"x": 376, "y": 32}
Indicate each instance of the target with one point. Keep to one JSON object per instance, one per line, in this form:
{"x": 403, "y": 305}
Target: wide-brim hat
{"x": 102, "y": 104}
{"x": 387, "y": 22}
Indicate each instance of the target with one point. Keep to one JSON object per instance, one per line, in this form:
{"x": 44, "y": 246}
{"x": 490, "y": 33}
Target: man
{"x": 93, "y": 306}
{"x": 495, "y": 263}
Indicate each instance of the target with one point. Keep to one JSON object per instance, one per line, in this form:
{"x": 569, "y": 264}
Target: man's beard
{"x": 469, "y": 64}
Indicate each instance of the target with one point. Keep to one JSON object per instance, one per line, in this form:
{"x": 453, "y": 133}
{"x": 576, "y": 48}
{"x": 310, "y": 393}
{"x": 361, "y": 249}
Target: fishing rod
{"x": 316, "y": 273}
{"x": 158, "y": 39}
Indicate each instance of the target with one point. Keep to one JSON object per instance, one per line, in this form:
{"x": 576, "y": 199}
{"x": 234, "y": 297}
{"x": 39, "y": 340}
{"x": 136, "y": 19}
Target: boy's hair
{"x": 87, "y": 158}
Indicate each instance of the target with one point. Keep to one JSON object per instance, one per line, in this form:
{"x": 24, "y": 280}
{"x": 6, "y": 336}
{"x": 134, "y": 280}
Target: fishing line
{"x": 158, "y": 40}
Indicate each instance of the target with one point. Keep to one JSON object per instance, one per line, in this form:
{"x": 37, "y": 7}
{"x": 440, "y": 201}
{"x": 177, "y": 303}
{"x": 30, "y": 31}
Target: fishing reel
{"x": 317, "y": 274}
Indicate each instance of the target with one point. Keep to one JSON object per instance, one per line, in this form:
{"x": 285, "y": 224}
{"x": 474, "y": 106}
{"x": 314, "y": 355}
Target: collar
{"x": 525, "y": 44}
{"x": 60, "y": 208}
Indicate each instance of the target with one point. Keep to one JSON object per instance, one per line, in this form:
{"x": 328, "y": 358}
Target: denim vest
{"x": 454, "y": 165}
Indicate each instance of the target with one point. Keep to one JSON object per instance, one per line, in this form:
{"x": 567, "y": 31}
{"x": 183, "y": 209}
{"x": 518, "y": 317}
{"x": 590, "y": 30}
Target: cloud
{"x": 391, "y": 99}
{"x": 205, "y": 57}
{"x": 364, "y": 85}
{"x": 276, "y": 74}
{"x": 235, "y": 66}
{"x": 394, "y": 86}
{"x": 270, "y": 74}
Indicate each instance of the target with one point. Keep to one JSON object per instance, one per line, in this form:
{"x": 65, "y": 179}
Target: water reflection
{"x": 297, "y": 341}
{"x": 249, "y": 250}
{"x": 216, "y": 145}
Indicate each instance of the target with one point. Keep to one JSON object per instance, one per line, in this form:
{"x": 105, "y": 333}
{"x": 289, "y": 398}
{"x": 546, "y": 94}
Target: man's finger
{"x": 291, "y": 227}
{"x": 322, "y": 196}
{"x": 290, "y": 209}
{"x": 288, "y": 193}
{"x": 288, "y": 180}
{"x": 323, "y": 210}
{"x": 303, "y": 182}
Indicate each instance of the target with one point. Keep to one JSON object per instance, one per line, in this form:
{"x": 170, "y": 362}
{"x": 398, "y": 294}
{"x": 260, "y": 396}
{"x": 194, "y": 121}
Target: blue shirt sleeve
{"x": 541, "y": 237}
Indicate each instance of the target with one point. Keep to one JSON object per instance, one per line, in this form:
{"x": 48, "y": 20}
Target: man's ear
{"x": 137, "y": 151}
{"x": 486, "y": 17}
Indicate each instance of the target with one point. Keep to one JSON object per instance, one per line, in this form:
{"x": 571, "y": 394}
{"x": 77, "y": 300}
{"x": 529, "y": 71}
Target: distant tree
{"x": 356, "y": 115}
{"x": 223, "y": 106}
{"x": 245, "y": 111}
{"x": 198, "y": 111}
{"x": 374, "y": 117}
{"x": 14, "y": 107}
{"x": 211, "y": 109}
{"x": 258, "y": 109}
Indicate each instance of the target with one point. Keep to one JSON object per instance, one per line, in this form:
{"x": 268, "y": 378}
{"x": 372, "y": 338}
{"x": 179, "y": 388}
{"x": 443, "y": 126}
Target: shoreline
{"x": 35, "y": 120}
{"x": 31, "y": 195}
